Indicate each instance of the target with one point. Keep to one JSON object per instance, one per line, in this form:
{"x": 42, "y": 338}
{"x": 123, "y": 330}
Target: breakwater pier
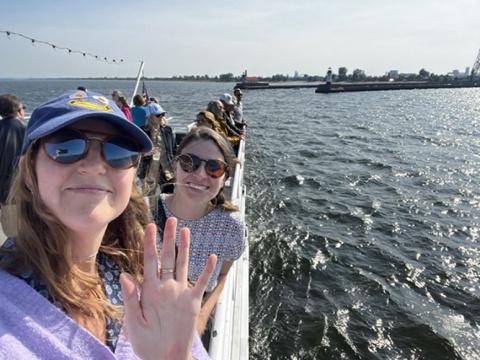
{"x": 325, "y": 88}
{"x": 400, "y": 85}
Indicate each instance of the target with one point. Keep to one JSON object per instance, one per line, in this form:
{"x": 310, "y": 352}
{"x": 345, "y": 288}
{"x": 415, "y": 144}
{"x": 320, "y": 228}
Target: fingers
{"x": 202, "y": 281}
{"x": 150, "y": 258}
{"x": 130, "y": 298}
{"x": 183, "y": 253}
{"x": 167, "y": 257}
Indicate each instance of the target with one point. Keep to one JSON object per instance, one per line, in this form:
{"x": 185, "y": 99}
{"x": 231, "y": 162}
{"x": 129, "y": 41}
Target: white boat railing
{"x": 139, "y": 77}
{"x": 229, "y": 334}
{"x": 230, "y": 330}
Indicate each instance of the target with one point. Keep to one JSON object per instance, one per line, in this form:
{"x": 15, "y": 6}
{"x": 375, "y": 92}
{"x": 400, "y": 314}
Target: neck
{"x": 184, "y": 209}
{"x": 88, "y": 257}
{"x": 85, "y": 249}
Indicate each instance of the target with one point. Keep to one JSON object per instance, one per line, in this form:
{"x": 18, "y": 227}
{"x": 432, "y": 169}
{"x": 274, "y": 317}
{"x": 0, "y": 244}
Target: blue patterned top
{"x": 219, "y": 232}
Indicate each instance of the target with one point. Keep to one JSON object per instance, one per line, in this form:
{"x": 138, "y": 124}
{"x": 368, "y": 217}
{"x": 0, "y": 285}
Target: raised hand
{"x": 162, "y": 323}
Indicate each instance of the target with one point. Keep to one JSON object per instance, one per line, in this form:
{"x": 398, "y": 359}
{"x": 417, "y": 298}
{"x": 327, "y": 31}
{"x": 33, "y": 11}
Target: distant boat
{"x": 249, "y": 82}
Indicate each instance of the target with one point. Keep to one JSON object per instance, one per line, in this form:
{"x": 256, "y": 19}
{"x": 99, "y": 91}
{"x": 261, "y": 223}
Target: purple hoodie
{"x": 33, "y": 328}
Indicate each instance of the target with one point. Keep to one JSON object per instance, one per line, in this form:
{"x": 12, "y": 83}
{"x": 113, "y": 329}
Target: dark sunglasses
{"x": 160, "y": 115}
{"x": 214, "y": 168}
{"x": 201, "y": 121}
{"x": 67, "y": 146}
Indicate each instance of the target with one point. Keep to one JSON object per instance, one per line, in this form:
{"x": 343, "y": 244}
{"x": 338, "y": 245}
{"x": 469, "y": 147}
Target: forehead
{"x": 95, "y": 125}
{"x": 206, "y": 149}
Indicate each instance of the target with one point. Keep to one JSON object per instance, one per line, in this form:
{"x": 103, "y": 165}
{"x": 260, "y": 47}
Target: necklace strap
{"x": 87, "y": 257}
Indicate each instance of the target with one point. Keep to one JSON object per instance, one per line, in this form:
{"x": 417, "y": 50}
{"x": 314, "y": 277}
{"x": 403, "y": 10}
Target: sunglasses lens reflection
{"x": 190, "y": 163}
{"x": 68, "y": 146}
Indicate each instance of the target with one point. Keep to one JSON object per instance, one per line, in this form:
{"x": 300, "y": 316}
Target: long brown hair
{"x": 220, "y": 199}
{"x": 42, "y": 246}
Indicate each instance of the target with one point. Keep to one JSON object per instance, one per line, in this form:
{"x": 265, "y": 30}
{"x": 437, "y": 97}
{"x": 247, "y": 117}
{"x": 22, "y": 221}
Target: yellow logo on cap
{"x": 90, "y": 105}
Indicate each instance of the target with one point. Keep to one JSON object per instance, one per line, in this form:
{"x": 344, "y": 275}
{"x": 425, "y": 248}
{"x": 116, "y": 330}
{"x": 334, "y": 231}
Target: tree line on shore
{"x": 342, "y": 75}
{"x": 357, "y": 75}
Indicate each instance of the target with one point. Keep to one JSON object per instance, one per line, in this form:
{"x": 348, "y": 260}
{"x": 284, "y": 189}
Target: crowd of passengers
{"x": 185, "y": 182}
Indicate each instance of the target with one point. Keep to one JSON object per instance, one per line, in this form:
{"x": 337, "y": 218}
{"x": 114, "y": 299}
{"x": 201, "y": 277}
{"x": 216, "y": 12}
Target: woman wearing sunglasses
{"x": 158, "y": 164}
{"x": 203, "y": 163}
{"x": 81, "y": 279}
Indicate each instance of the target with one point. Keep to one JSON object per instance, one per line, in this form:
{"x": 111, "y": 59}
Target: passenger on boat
{"x": 207, "y": 119}
{"x": 228, "y": 113}
{"x": 238, "y": 108}
{"x": 12, "y": 130}
{"x": 216, "y": 108}
{"x": 123, "y": 105}
{"x": 139, "y": 111}
{"x": 203, "y": 164}
{"x": 116, "y": 94}
{"x": 158, "y": 163}
{"x": 81, "y": 280}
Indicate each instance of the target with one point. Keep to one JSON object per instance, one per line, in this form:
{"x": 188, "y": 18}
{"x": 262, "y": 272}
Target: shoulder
{"x": 232, "y": 218}
{"x": 168, "y": 129}
{"x": 13, "y": 123}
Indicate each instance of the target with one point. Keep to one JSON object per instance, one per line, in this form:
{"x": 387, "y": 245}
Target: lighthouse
{"x": 328, "y": 78}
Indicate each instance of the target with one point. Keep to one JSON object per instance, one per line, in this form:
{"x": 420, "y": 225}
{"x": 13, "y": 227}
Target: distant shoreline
{"x": 115, "y": 78}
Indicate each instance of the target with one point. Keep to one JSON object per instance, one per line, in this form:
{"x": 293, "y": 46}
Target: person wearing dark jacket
{"x": 158, "y": 164}
{"x": 12, "y": 130}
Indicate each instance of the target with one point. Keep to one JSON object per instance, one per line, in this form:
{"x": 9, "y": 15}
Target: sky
{"x": 264, "y": 37}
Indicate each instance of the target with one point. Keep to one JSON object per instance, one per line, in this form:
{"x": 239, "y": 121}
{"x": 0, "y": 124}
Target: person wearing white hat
{"x": 158, "y": 164}
{"x": 228, "y": 105}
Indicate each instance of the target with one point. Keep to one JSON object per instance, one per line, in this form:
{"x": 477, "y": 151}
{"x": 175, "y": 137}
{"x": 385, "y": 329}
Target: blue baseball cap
{"x": 154, "y": 109}
{"x": 77, "y": 105}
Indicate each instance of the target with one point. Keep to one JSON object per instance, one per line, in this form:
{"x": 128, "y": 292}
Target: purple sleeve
{"x": 198, "y": 350}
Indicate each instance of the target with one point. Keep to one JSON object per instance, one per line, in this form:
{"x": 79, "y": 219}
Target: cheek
{"x": 219, "y": 183}
{"x": 123, "y": 185}
{"x": 49, "y": 176}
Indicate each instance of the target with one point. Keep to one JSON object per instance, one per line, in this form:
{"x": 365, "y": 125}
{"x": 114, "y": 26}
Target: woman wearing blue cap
{"x": 158, "y": 164}
{"x": 81, "y": 278}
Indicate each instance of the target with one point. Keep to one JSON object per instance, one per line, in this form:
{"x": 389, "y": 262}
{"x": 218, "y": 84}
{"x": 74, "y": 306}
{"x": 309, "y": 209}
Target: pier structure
{"x": 400, "y": 85}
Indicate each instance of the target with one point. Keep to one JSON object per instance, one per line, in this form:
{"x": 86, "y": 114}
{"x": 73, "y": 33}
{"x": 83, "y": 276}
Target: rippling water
{"x": 363, "y": 211}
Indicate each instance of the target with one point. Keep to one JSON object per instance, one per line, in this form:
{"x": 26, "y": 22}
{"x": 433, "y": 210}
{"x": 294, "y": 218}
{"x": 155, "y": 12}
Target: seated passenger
{"x": 203, "y": 163}
{"x": 228, "y": 103}
{"x": 216, "y": 108}
{"x": 139, "y": 111}
{"x": 207, "y": 119}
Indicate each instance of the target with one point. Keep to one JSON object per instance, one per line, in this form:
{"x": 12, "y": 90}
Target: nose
{"x": 202, "y": 170}
{"x": 93, "y": 161}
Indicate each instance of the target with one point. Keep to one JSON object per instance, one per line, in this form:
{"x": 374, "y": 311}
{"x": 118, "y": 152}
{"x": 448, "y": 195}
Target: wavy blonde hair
{"x": 215, "y": 106}
{"x": 150, "y": 124}
{"x": 42, "y": 246}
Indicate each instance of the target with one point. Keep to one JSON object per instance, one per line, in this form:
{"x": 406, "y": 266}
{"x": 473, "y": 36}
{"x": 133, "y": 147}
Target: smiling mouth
{"x": 90, "y": 189}
{"x": 197, "y": 186}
